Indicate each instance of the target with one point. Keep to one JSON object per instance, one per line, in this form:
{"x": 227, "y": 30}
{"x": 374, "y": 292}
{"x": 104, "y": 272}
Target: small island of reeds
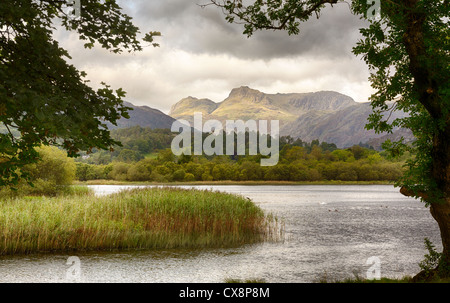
{"x": 133, "y": 219}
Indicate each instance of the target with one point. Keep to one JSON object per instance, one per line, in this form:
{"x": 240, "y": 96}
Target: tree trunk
{"x": 428, "y": 89}
{"x": 441, "y": 174}
{"x": 440, "y": 210}
{"x": 441, "y": 213}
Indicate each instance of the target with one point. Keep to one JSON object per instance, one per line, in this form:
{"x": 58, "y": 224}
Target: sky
{"x": 203, "y": 56}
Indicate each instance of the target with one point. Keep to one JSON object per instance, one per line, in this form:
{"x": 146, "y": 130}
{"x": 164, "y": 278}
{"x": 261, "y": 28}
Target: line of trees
{"x": 299, "y": 161}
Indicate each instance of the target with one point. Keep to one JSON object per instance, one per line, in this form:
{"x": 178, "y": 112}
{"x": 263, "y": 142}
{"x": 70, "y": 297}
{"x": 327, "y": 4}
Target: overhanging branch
{"x": 301, "y": 11}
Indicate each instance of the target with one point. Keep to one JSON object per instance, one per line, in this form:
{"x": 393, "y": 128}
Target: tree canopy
{"x": 44, "y": 100}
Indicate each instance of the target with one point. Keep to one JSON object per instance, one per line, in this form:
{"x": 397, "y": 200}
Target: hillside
{"x": 326, "y": 115}
{"x": 144, "y": 116}
{"x": 344, "y": 127}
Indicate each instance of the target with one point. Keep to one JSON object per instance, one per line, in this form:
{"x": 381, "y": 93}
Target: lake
{"x": 330, "y": 231}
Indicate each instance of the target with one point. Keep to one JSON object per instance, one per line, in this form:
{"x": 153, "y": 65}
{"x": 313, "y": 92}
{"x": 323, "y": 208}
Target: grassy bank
{"x": 135, "y": 219}
{"x": 333, "y": 182}
{"x": 406, "y": 279}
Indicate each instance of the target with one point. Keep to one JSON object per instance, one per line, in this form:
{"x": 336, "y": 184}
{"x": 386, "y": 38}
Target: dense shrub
{"x": 48, "y": 176}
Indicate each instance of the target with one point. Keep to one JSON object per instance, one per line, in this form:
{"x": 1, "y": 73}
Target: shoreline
{"x": 254, "y": 183}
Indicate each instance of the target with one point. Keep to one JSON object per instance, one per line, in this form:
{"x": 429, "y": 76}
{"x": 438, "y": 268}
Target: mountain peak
{"x": 186, "y": 105}
{"x": 247, "y": 95}
{"x": 241, "y": 89}
{"x": 244, "y": 91}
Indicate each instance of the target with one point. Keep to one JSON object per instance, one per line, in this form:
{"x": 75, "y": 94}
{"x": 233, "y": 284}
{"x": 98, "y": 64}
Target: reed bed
{"x": 134, "y": 219}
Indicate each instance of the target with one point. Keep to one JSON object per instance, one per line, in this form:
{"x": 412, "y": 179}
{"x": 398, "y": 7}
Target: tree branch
{"x": 409, "y": 193}
{"x": 413, "y": 39}
{"x": 13, "y": 140}
{"x": 240, "y": 11}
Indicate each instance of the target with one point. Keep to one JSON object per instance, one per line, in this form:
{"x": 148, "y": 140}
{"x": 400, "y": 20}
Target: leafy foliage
{"x": 49, "y": 176}
{"x": 434, "y": 265}
{"x": 276, "y": 14}
{"x": 45, "y": 100}
{"x": 432, "y": 259}
{"x": 385, "y": 50}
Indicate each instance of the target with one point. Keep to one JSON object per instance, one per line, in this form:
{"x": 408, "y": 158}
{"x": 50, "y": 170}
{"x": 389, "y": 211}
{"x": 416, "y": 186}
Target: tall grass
{"x": 42, "y": 188}
{"x": 139, "y": 218}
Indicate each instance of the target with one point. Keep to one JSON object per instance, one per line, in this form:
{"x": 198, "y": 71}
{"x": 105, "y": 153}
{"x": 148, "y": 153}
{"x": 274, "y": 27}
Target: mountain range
{"x": 326, "y": 115}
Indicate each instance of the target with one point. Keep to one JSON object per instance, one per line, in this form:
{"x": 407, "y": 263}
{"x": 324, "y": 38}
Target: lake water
{"x": 331, "y": 231}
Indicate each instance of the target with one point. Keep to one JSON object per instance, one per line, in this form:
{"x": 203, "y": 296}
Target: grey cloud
{"x": 184, "y": 24}
{"x": 204, "y": 56}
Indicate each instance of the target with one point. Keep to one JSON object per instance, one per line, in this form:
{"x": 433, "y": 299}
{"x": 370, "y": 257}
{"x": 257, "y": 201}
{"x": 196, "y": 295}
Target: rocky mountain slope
{"x": 326, "y": 115}
{"x": 246, "y": 103}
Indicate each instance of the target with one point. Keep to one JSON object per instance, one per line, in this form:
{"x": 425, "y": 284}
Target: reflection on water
{"x": 331, "y": 230}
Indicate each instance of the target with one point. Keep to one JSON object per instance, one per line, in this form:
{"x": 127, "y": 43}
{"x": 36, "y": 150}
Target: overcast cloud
{"x": 202, "y": 55}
